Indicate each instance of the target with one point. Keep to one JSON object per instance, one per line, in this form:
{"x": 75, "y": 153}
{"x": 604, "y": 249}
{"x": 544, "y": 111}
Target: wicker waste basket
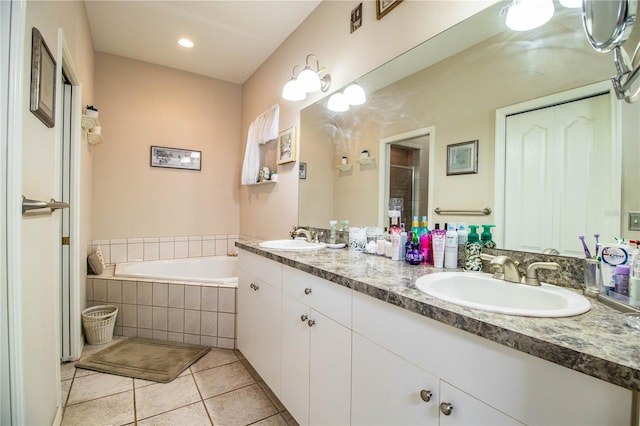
{"x": 98, "y": 323}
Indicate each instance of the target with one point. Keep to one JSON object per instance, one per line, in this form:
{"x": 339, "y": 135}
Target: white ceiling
{"x": 232, "y": 38}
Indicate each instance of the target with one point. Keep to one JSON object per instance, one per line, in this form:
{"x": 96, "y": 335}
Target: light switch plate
{"x": 634, "y": 221}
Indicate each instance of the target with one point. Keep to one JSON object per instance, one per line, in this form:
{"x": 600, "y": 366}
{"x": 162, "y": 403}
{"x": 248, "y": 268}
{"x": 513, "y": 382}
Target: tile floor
{"x": 219, "y": 389}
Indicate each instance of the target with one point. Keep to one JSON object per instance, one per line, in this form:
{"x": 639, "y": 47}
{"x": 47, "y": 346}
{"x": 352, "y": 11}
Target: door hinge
{"x": 65, "y": 241}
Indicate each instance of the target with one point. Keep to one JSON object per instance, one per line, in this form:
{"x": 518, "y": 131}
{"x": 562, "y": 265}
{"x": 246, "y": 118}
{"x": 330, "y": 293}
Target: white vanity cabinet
{"x": 389, "y": 390}
{"x": 487, "y": 383}
{"x": 316, "y": 349}
{"x": 259, "y": 315}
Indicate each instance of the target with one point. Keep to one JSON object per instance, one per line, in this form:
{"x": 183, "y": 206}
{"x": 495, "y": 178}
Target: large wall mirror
{"x": 463, "y": 85}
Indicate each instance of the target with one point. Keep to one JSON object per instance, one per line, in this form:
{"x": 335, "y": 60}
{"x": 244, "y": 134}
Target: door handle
{"x": 28, "y": 205}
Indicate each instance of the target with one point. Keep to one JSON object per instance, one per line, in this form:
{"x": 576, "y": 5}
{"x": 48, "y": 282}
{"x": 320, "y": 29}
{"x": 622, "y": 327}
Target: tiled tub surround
{"x": 180, "y": 311}
{"x": 155, "y": 248}
{"x": 597, "y": 343}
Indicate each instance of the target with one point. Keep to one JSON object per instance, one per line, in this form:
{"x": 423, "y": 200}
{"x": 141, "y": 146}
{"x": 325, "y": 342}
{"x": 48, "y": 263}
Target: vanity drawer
{"x": 328, "y": 298}
{"x": 262, "y": 268}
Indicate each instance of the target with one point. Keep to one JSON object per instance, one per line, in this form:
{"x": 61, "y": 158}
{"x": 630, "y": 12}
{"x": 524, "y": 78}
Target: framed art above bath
{"x": 384, "y": 6}
{"x": 287, "y": 144}
{"x": 43, "y": 80}
{"x": 175, "y": 158}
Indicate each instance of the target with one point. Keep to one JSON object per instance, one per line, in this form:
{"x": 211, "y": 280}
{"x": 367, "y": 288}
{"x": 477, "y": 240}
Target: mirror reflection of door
{"x": 408, "y": 176}
{"x": 559, "y": 158}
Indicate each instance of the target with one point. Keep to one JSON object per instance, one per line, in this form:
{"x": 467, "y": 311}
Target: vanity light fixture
{"x": 571, "y": 4}
{"x": 352, "y": 95}
{"x": 524, "y": 15}
{"x": 185, "y": 42}
{"x": 307, "y": 81}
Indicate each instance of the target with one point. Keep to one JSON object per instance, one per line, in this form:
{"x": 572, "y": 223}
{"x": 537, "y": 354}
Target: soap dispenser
{"x": 487, "y": 239}
{"x": 473, "y": 248}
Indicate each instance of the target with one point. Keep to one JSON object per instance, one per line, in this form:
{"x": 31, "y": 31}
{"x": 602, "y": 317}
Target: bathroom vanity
{"x": 346, "y": 338}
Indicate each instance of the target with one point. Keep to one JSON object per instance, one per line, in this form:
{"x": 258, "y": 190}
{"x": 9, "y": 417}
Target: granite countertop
{"x": 597, "y": 343}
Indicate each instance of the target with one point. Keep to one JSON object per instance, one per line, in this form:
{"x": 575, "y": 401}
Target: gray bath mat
{"x": 145, "y": 359}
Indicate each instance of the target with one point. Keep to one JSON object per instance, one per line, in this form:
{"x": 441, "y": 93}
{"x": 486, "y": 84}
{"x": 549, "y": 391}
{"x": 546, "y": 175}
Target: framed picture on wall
{"x": 174, "y": 158}
{"x": 302, "y": 172}
{"x": 43, "y": 80}
{"x": 287, "y": 145}
{"x": 385, "y": 6}
{"x": 462, "y": 158}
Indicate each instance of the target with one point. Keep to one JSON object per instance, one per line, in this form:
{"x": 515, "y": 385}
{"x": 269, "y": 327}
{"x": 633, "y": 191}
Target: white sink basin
{"x": 292, "y": 245}
{"x": 481, "y": 291}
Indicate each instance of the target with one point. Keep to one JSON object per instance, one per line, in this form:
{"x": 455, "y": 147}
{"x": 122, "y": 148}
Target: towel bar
{"x": 484, "y": 212}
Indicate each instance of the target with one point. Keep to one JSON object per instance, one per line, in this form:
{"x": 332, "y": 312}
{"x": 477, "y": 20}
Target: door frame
{"x": 11, "y": 122}
{"x": 600, "y": 88}
{"x": 383, "y": 175}
{"x": 75, "y": 270}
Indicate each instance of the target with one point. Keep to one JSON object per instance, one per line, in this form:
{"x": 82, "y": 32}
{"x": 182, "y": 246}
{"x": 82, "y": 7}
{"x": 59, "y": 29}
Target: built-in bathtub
{"x": 212, "y": 269}
{"x": 191, "y": 300}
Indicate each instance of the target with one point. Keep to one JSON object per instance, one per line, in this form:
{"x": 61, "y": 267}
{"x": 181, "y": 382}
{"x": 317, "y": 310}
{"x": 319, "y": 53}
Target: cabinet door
{"x": 294, "y": 390}
{"x": 387, "y": 389}
{"x": 330, "y": 372}
{"x": 466, "y": 410}
{"x": 268, "y": 332}
{"x": 246, "y": 315}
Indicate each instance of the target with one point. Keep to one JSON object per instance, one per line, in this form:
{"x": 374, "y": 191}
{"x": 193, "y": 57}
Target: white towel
{"x": 262, "y": 130}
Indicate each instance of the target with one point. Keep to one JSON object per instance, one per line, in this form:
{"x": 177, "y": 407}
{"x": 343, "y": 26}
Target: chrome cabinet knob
{"x": 425, "y": 395}
{"x": 303, "y": 318}
{"x": 311, "y": 323}
{"x": 446, "y": 408}
{"x": 307, "y": 291}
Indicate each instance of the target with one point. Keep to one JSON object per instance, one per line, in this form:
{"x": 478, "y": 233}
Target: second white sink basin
{"x": 481, "y": 291}
{"x": 292, "y": 245}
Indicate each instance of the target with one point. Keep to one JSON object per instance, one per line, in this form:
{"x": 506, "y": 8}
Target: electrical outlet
{"x": 634, "y": 221}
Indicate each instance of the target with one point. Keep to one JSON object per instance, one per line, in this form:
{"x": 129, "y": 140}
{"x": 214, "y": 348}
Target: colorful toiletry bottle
{"x": 486, "y": 238}
{"x": 462, "y": 234}
{"x": 451, "y": 247}
{"x": 425, "y": 241}
{"x": 473, "y": 248}
{"x": 438, "y": 237}
{"x": 621, "y": 285}
{"x": 634, "y": 281}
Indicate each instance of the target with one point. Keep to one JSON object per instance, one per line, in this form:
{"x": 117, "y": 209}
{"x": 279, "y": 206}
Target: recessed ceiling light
{"x": 185, "y": 42}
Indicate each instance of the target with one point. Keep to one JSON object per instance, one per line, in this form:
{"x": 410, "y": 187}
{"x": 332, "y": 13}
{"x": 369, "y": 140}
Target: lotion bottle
{"x": 451, "y": 247}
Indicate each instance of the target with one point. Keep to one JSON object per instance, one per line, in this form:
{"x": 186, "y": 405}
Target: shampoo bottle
{"x": 462, "y": 234}
{"x": 451, "y": 247}
{"x": 438, "y": 237}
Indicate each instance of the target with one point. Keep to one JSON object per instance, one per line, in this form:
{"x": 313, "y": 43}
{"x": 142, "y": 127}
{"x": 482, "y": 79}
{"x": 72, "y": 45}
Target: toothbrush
{"x": 587, "y": 253}
{"x": 596, "y": 236}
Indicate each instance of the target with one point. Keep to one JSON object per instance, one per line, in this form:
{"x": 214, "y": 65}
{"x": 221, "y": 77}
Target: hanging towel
{"x": 262, "y": 130}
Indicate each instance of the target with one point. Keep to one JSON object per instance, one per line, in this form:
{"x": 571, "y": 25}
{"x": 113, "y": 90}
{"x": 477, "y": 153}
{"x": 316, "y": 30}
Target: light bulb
{"x": 292, "y": 91}
{"x": 524, "y": 15}
{"x": 309, "y": 80}
{"x": 338, "y": 103}
{"x": 185, "y": 42}
{"x": 355, "y": 94}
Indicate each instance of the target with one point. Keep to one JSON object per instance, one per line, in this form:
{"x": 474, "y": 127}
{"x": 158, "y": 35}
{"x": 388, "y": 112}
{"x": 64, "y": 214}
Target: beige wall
{"x": 270, "y": 211}
{"x": 40, "y": 240}
{"x": 143, "y": 105}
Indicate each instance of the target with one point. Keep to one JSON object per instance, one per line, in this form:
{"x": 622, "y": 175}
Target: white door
{"x": 12, "y": 27}
{"x": 66, "y": 130}
{"x": 558, "y": 160}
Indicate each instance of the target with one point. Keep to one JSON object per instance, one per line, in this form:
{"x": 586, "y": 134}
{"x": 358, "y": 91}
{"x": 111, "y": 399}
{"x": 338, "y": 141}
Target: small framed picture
{"x": 462, "y": 158}
{"x": 287, "y": 144}
{"x": 174, "y": 158}
{"x": 385, "y": 6}
{"x": 356, "y": 17}
{"x": 43, "y": 80}
{"x": 302, "y": 172}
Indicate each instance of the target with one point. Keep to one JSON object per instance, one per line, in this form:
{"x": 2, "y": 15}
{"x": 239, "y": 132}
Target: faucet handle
{"x": 531, "y": 276}
{"x": 292, "y": 234}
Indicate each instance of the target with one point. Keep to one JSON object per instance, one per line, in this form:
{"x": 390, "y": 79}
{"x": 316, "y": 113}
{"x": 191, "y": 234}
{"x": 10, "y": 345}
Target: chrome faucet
{"x": 507, "y": 268}
{"x": 531, "y": 277}
{"x": 305, "y": 232}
